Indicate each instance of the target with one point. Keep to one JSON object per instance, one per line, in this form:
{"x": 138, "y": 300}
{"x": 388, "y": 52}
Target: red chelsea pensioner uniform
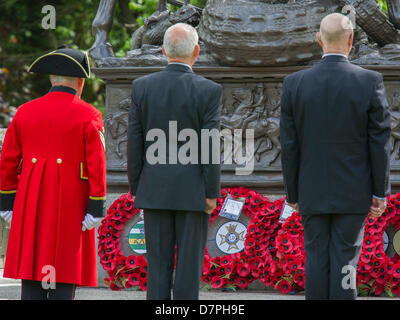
{"x": 53, "y": 164}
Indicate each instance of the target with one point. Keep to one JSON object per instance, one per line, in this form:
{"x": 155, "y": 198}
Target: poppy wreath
{"x": 376, "y": 272}
{"x": 273, "y": 252}
{"x": 256, "y": 260}
{"x": 288, "y": 273}
{"x": 124, "y": 272}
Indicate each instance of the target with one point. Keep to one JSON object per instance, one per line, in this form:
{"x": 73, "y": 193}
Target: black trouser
{"x": 333, "y": 244}
{"x": 33, "y": 290}
{"x": 163, "y": 230}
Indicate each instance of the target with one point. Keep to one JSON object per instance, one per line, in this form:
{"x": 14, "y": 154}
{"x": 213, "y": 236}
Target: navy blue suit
{"x": 335, "y": 131}
{"x": 173, "y": 195}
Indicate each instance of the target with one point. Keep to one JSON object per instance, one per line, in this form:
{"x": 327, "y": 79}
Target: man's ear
{"x": 163, "y": 51}
{"x": 81, "y": 83}
{"x": 196, "y": 51}
{"x": 351, "y": 39}
{"x": 319, "y": 40}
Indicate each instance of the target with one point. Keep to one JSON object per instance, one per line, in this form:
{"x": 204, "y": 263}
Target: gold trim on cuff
{"x": 8, "y": 192}
{"x": 97, "y": 198}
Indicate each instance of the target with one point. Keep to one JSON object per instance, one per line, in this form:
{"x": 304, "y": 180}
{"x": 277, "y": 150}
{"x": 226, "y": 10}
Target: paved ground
{"x": 10, "y": 290}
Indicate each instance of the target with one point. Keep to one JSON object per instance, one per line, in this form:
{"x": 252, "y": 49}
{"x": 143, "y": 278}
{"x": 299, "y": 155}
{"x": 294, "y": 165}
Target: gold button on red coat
{"x": 59, "y": 161}
{"x": 34, "y": 160}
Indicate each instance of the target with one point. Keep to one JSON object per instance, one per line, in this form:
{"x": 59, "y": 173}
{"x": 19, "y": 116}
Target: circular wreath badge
{"x": 273, "y": 252}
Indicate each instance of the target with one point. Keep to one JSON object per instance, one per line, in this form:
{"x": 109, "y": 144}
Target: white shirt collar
{"x": 182, "y": 64}
{"x": 334, "y": 54}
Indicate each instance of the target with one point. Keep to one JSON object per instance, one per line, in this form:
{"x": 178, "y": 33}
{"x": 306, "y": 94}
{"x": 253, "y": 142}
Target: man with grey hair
{"x": 335, "y": 130}
{"x": 177, "y": 197}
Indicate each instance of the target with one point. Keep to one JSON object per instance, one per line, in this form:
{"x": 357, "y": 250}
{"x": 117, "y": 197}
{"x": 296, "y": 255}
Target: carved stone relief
{"x": 393, "y": 95}
{"x": 254, "y": 106}
{"x": 116, "y": 127}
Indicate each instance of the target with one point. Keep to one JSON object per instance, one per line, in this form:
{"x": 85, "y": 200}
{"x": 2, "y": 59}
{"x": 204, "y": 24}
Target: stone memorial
{"x": 248, "y": 46}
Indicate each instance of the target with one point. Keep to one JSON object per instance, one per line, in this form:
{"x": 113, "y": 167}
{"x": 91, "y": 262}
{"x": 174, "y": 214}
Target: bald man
{"x": 335, "y": 129}
{"x": 177, "y": 195}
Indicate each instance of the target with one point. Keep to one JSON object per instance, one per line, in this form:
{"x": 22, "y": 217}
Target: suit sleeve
{"x": 212, "y": 171}
{"x": 379, "y": 131}
{"x": 290, "y": 146}
{"x": 96, "y": 166}
{"x": 135, "y": 148}
{"x": 11, "y": 157}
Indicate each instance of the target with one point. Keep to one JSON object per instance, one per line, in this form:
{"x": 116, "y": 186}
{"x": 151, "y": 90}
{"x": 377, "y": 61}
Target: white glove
{"x": 90, "y": 222}
{"x": 6, "y": 215}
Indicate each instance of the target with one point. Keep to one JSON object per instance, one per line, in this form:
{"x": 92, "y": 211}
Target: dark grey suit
{"x": 335, "y": 130}
{"x": 173, "y": 194}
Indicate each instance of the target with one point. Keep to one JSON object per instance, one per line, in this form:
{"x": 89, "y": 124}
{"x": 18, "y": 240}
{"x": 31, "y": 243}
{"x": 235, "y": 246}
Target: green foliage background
{"x": 22, "y": 40}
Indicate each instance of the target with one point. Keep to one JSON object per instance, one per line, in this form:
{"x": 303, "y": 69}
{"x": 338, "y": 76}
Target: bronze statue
{"x": 155, "y": 26}
{"x": 150, "y": 33}
{"x": 245, "y": 33}
{"x": 101, "y": 28}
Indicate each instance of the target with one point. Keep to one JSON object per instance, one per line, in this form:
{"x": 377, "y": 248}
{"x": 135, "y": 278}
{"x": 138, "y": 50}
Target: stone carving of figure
{"x": 117, "y": 126}
{"x": 395, "y": 125}
{"x": 251, "y": 113}
{"x": 243, "y": 103}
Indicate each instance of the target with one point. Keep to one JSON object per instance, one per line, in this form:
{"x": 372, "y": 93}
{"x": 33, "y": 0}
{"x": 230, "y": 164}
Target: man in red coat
{"x": 53, "y": 183}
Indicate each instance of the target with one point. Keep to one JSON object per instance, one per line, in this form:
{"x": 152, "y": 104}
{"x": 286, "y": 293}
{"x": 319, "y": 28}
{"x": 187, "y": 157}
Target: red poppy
{"x": 226, "y": 260}
{"x": 299, "y": 279}
{"x": 242, "y": 282}
{"x": 369, "y": 242}
{"x": 128, "y": 206}
{"x": 118, "y": 225}
{"x": 134, "y": 279}
{"x": 396, "y": 270}
{"x": 379, "y": 289}
{"x": 284, "y": 286}
{"x": 206, "y": 278}
{"x": 243, "y": 269}
{"x": 141, "y": 261}
{"x": 108, "y": 264}
{"x": 365, "y": 257}
{"x": 396, "y": 289}
{"x": 114, "y": 287}
{"x": 217, "y": 282}
{"x": 143, "y": 285}
{"x": 206, "y": 266}
{"x": 382, "y": 278}
{"x": 251, "y": 228}
{"x": 142, "y": 273}
{"x": 217, "y": 260}
{"x": 131, "y": 261}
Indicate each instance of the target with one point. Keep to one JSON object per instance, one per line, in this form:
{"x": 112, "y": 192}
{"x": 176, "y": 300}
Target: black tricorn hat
{"x": 63, "y": 62}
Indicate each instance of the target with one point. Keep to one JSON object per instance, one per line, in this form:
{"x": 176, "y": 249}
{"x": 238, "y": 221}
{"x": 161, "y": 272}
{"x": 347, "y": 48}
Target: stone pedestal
{"x": 251, "y": 100}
